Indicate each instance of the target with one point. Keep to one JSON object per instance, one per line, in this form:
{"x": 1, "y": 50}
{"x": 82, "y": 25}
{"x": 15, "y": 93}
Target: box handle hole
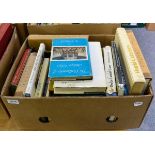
{"x": 44, "y": 119}
{"x": 111, "y": 119}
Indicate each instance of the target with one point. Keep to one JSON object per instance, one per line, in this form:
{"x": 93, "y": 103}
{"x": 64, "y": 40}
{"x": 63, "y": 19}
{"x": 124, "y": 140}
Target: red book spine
{"x": 20, "y": 68}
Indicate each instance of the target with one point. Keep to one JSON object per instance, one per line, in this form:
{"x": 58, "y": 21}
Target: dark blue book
{"x": 121, "y": 82}
{"x": 70, "y": 59}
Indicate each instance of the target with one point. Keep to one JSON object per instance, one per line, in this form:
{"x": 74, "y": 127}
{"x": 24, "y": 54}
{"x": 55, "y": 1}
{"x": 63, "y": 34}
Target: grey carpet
{"x": 146, "y": 40}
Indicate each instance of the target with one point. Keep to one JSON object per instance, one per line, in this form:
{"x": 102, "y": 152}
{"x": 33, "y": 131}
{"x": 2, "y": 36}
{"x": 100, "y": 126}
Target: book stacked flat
{"x": 76, "y": 67}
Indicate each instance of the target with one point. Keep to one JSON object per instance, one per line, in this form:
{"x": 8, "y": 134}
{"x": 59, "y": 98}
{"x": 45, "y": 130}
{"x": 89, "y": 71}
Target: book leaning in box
{"x": 135, "y": 78}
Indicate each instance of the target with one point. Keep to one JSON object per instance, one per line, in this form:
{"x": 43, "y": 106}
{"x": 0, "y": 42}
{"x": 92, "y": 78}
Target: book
{"x": 6, "y": 31}
{"x": 19, "y": 70}
{"x": 136, "y": 80}
{"x": 96, "y": 85}
{"x": 141, "y": 59}
{"x": 121, "y": 83}
{"x": 46, "y": 90}
{"x": 30, "y": 89}
{"x": 109, "y": 72}
{"x": 25, "y": 76}
{"x": 70, "y": 59}
{"x": 42, "y": 78}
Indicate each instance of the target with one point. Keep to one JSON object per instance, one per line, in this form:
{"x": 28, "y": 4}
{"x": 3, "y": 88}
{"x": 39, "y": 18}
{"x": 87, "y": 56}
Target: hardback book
{"x": 120, "y": 78}
{"x": 25, "y": 75}
{"x": 42, "y": 78}
{"x": 70, "y": 59}
{"x": 6, "y": 31}
{"x": 31, "y": 86}
{"x": 109, "y": 72}
{"x": 96, "y": 85}
{"x": 135, "y": 75}
{"x": 141, "y": 59}
{"x": 19, "y": 70}
{"x": 47, "y": 87}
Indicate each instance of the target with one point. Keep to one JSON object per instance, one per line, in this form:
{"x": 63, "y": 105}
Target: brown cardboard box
{"x": 150, "y": 26}
{"x": 75, "y": 112}
{"x": 5, "y": 65}
{"x": 73, "y": 29}
{"x": 21, "y": 31}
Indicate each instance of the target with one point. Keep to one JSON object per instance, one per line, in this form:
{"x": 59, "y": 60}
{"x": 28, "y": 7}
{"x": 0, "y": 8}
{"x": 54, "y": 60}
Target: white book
{"x": 109, "y": 71}
{"x": 97, "y": 84}
{"x": 30, "y": 89}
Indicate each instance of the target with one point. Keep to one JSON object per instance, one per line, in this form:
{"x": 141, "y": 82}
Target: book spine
{"x": 30, "y": 89}
{"x": 42, "y": 78}
{"x": 141, "y": 59}
{"x": 47, "y": 88}
{"x": 20, "y": 68}
{"x": 139, "y": 55}
{"x": 134, "y": 72}
{"x": 109, "y": 70}
{"x": 25, "y": 75}
{"x": 119, "y": 73}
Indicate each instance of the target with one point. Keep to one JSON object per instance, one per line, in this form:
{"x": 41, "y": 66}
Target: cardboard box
{"x": 150, "y": 26}
{"x": 5, "y": 64}
{"x": 75, "y": 112}
{"x": 21, "y": 31}
{"x": 73, "y": 29}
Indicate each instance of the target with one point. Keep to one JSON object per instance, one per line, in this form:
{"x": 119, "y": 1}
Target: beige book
{"x": 136, "y": 80}
{"x": 26, "y": 75}
{"x": 42, "y": 78}
{"x": 139, "y": 55}
{"x": 141, "y": 59}
{"x": 47, "y": 92}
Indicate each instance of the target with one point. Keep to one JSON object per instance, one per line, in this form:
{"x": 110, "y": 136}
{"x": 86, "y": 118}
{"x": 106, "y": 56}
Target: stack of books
{"x": 77, "y": 66}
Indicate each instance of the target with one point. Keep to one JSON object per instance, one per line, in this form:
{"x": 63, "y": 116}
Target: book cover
{"x": 42, "y": 78}
{"x": 6, "y": 32}
{"x": 70, "y": 59}
{"x": 134, "y": 73}
{"x": 30, "y": 89}
{"x": 26, "y": 75}
{"x": 97, "y": 84}
{"x": 109, "y": 72}
{"x": 120, "y": 78}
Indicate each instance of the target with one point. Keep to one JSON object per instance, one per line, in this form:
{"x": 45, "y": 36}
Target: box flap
{"x": 73, "y": 29}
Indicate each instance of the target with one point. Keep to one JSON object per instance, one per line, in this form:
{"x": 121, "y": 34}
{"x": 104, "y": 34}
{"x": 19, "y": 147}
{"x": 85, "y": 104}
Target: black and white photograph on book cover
{"x": 69, "y": 53}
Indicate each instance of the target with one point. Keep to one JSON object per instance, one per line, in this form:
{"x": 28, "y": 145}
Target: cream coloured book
{"x": 96, "y": 85}
{"x": 109, "y": 72}
{"x": 141, "y": 59}
{"x": 30, "y": 89}
{"x": 42, "y": 78}
{"x": 136, "y": 80}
